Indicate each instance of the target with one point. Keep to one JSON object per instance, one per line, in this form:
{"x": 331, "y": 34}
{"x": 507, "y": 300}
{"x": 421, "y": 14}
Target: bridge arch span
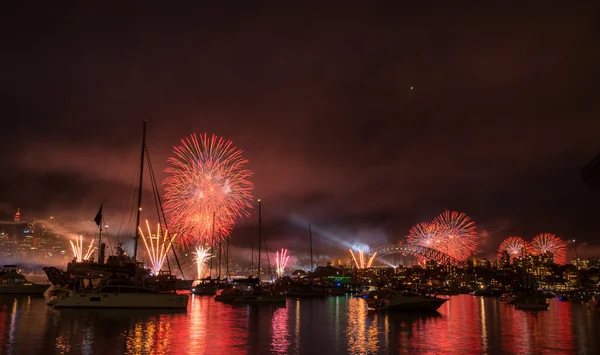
{"x": 414, "y": 249}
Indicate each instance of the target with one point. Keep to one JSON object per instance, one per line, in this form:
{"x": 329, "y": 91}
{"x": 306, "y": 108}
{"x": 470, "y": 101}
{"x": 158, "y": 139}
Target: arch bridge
{"x": 426, "y": 252}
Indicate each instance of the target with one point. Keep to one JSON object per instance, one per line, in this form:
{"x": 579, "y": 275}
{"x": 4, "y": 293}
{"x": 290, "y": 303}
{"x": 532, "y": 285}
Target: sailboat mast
{"x": 139, "y": 201}
{"x": 259, "y": 234}
{"x": 227, "y": 258}
{"x": 310, "y": 237}
{"x": 252, "y": 261}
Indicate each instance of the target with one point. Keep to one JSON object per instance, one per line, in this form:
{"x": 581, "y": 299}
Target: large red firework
{"x": 458, "y": 235}
{"x": 515, "y": 246}
{"x": 207, "y": 188}
{"x": 548, "y": 242}
{"x": 425, "y": 234}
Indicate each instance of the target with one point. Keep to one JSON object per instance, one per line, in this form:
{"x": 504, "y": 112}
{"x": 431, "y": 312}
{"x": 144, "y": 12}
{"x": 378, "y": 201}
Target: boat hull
{"x": 31, "y": 289}
{"x": 307, "y": 294}
{"x": 532, "y": 306}
{"x": 225, "y": 298}
{"x": 122, "y": 300}
{"x": 260, "y": 299}
{"x": 424, "y": 306}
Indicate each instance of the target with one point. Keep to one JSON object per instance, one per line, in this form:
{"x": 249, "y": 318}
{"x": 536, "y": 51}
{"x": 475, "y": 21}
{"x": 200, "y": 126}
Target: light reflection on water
{"x": 337, "y": 325}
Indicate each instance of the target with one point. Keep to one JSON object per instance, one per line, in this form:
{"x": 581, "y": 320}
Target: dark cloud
{"x": 357, "y": 118}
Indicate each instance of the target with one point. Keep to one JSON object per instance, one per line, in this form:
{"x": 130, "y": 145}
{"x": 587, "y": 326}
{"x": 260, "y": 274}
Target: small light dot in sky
{"x": 412, "y": 87}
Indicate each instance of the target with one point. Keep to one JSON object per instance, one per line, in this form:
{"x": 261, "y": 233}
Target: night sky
{"x": 363, "y": 120}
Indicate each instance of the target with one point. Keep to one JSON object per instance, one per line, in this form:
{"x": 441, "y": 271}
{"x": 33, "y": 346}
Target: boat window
{"x": 94, "y": 299}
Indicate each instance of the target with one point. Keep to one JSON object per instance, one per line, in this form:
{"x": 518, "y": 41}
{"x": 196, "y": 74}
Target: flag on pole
{"x": 98, "y": 218}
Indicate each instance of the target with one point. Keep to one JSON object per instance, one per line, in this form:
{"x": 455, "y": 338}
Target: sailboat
{"x": 307, "y": 286}
{"x": 118, "y": 283}
{"x": 256, "y": 292}
{"x": 530, "y": 299}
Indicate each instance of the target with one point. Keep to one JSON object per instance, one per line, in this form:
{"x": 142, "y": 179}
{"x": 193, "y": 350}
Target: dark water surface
{"x": 340, "y": 325}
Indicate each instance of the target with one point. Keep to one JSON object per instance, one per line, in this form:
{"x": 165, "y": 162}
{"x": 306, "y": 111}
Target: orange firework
{"x": 157, "y": 246}
{"x": 362, "y": 262}
{"x": 207, "y": 189}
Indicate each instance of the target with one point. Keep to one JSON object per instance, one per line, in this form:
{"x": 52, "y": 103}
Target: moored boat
{"x": 260, "y": 295}
{"x": 12, "y": 282}
{"x": 96, "y": 292}
{"x": 403, "y": 301}
{"x": 205, "y": 287}
{"x": 531, "y": 300}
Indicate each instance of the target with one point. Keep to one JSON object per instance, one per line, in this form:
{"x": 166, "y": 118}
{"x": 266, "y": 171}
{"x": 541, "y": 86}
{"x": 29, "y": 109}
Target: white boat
{"x": 113, "y": 293}
{"x": 11, "y": 282}
{"x": 403, "y": 301}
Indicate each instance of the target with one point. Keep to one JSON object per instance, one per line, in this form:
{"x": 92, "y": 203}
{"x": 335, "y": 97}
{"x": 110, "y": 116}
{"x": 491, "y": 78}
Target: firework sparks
{"x": 281, "y": 261}
{"x": 207, "y": 189}
{"x": 201, "y": 256}
{"x": 515, "y": 246}
{"x": 458, "y": 234}
{"x": 361, "y": 262}
{"x": 78, "y": 249}
{"x": 157, "y": 246}
{"x": 550, "y": 243}
{"x": 425, "y": 234}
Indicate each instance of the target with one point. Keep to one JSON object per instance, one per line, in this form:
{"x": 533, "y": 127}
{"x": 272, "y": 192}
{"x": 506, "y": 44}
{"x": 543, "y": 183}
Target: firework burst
{"x": 362, "y": 262}
{"x": 201, "y": 256}
{"x": 515, "y": 246}
{"x": 458, "y": 234}
{"x": 77, "y": 247}
{"x": 547, "y": 242}
{"x": 281, "y": 260}
{"x": 157, "y": 246}
{"x": 425, "y": 234}
{"x": 207, "y": 188}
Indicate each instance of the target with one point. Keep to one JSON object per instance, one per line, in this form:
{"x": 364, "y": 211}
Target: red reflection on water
{"x": 476, "y": 325}
{"x": 279, "y": 331}
{"x": 211, "y": 328}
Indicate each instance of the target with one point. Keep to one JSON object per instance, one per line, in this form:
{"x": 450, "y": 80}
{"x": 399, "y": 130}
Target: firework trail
{"x": 201, "y": 256}
{"x": 458, "y": 234}
{"x": 78, "y": 249}
{"x": 515, "y": 246}
{"x": 207, "y": 186}
{"x": 547, "y": 242}
{"x": 281, "y": 261}
{"x": 361, "y": 262}
{"x": 157, "y": 246}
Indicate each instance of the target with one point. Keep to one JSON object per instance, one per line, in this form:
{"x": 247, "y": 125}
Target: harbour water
{"x": 337, "y": 325}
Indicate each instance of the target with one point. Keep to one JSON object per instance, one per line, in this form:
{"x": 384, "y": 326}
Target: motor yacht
{"x": 403, "y": 301}
{"x": 90, "y": 292}
{"x": 12, "y": 282}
